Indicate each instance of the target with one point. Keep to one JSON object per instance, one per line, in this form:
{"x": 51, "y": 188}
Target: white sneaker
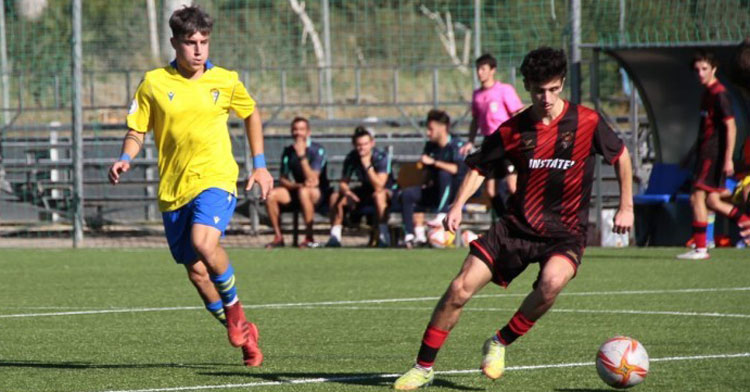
{"x": 437, "y": 221}
{"x": 694, "y": 254}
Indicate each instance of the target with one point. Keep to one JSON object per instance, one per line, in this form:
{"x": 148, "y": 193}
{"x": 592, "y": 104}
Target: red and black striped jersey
{"x": 555, "y": 165}
{"x": 716, "y": 109}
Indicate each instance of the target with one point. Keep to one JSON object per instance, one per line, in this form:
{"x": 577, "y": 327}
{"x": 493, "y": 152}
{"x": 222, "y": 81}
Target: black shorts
{"x": 364, "y": 195}
{"x": 508, "y": 252}
{"x": 321, "y": 205}
{"x": 709, "y": 174}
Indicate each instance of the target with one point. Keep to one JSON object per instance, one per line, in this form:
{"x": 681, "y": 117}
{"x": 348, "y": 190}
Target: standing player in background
{"x": 741, "y": 77}
{"x": 372, "y": 168}
{"x": 715, "y": 147}
{"x": 492, "y": 104}
{"x": 187, "y": 105}
{"x": 304, "y": 183}
{"x": 553, "y": 145}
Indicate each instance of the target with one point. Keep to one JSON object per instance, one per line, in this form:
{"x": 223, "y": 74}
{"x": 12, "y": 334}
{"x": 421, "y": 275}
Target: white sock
{"x": 336, "y": 232}
{"x": 425, "y": 368}
{"x": 419, "y": 232}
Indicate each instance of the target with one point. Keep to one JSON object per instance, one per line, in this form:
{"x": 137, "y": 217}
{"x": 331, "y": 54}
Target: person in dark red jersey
{"x": 715, "y": 147}
{"x": 553, "y": 145}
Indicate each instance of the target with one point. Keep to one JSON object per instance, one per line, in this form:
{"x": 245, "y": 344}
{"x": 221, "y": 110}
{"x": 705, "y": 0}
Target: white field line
{"x": 320, "y": 380}
{"x": 590, "y": 311}
{"x": 373, "y": 301}
{"x": 48, "y": 307}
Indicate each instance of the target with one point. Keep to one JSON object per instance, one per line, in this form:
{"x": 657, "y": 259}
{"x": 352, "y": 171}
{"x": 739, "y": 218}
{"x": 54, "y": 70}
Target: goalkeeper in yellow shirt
{"x": 186, "y": 104}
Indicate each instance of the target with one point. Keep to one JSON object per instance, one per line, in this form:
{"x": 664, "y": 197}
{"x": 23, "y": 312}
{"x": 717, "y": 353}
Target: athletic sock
{"x": 217, "y": 310}
{"x": 336, "y": 232}
{"x": 516, "y": 327}
{"x": 419, "y": 233}
{"x": 225, "y": 285}
{"x": 738, "y": 216}
{"x": 432, "y": 340}
{"x": 699, "y": 234}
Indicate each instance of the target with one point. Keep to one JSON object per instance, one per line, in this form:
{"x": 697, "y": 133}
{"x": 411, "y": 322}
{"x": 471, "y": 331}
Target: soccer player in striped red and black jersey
{"x": 715, "y": 147}
{"x": 553, "y": 145}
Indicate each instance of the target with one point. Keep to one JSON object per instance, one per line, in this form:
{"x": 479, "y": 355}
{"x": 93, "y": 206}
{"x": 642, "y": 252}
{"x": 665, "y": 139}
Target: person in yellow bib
{"x": 186, "y": 104}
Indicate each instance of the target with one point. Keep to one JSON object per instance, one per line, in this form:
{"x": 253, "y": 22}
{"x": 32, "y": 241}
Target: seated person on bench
{"x": 444, "y": 169}
{"x": 303, "y": 183}
{"x": 371, "y": 167}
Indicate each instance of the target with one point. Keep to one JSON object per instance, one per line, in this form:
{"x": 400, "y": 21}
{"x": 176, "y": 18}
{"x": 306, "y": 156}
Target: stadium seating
{"x": 659, "y": 219}
{"x": 663, "y": 184}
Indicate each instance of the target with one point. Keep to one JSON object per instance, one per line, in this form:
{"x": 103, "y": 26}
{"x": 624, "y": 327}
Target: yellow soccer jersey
{"x": 738, "y": 197}
{"x": 189, "y": 120}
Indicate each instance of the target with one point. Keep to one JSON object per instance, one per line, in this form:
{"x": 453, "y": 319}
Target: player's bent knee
{"x": 550, "y": 287}
{"x": 205, "y": 248}
{"x": 458, "y": 294}
{"x": 273, "y": 196}
{"x": 713, "y": 200}
{"x": 305, "y": 193}
{"x": 199, "y": 277}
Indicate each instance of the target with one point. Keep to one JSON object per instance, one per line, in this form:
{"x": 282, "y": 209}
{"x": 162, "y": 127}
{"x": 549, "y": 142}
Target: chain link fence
{"x": 335, "y": 61}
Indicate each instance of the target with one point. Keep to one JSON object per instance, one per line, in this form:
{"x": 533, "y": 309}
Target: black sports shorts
{"x": 709, "y": 174}
{"x": 508, "y": 252}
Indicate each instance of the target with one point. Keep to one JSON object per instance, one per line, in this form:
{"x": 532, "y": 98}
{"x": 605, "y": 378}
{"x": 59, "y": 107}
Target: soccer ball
{"x": 440, "y": 238}
{"x": 467, "y": 236}
{"x": 622, "y": 362}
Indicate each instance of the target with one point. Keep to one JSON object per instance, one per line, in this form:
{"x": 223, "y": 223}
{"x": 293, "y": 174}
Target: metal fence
{"x": 336, "y": 61}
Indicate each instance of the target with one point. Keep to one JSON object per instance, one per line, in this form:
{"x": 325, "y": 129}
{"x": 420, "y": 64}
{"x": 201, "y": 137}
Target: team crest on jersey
{"x": 170, "y": 95}
{"x": 566, "y": 139}
{"x": 215, "y": 94}
{"x": 527, "y": 144}
{"x": 494, "y": 106}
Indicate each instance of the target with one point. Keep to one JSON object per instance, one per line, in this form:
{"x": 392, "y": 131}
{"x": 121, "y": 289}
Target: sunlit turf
{"x": 321, "y": 326}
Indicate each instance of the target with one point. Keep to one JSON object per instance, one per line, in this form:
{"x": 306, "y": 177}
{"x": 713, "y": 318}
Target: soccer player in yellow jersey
{"x": 187, "y": 105}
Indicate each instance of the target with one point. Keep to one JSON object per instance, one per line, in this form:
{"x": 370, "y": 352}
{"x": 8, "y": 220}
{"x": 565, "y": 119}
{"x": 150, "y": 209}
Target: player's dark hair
{"x": 190, "y": 20}
{"x": 544, "y": 64}
{"x": 440, "y": 116}
{"x": 298, "y": 119}
{"x": 486, "y": 59}
{"x": 704, "y": 55}
{"x": 361, "y": 131}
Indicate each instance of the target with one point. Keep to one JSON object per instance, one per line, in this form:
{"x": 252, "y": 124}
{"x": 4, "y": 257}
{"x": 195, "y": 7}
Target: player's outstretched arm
{"x": 254, "y": 131}
{"x": 469, "y": 186}
{"x": 131, "y": 145}
{"x": 624, "y": 217}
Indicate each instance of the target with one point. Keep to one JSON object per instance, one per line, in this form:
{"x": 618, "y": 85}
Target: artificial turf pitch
{"x": 349, "y": 319}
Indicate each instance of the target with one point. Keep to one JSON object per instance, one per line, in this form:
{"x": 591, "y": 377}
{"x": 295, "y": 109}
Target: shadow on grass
{"x": 628, "y": 256}
{"x": 582, "y": 390}
{"x": 366, "y": 379}
{"x": 5, "y": 363}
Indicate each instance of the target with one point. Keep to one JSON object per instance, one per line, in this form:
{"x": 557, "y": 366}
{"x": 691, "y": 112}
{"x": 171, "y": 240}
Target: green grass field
{"x": 348, "y": 320}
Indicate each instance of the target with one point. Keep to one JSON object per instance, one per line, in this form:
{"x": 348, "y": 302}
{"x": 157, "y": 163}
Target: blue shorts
{"x": 213, "y": 207}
